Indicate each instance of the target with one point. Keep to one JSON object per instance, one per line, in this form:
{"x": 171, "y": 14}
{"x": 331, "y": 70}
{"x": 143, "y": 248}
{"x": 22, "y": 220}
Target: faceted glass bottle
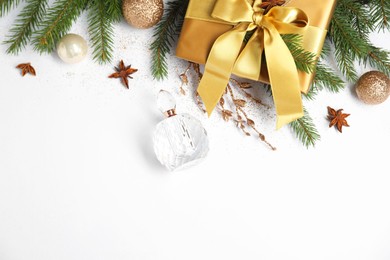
{"x": 180, "y": 140}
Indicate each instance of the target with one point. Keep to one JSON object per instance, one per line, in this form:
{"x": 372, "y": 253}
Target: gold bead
{"x": 142, "y": 13}
{"x": 373, "y": 87}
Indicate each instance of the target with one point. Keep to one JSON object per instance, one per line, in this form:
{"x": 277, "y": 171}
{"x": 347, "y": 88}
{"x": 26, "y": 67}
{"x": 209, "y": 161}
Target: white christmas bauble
{"x": 72, "y": 48}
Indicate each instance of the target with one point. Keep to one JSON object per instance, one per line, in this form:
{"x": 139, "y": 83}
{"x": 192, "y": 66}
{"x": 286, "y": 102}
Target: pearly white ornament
{"x": 72, "y": 48}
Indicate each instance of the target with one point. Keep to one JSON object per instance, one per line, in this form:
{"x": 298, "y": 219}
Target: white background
{"x": 79, "y": 179}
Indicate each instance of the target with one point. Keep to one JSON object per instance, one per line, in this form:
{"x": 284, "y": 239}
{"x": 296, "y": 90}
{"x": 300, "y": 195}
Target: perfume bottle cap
{"x": 166, "y": 103}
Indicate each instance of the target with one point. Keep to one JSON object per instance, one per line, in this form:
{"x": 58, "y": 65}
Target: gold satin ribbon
{"x": 226, "y": 54}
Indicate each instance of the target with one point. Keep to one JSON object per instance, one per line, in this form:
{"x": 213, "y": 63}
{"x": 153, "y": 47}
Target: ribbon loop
{"x": 228, "y": 54}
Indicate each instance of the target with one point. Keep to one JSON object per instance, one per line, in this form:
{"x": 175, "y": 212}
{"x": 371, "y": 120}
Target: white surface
{"x": 79, "y": 180}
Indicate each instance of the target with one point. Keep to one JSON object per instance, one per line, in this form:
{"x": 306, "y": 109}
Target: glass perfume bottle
{"x": 180, "y": 141}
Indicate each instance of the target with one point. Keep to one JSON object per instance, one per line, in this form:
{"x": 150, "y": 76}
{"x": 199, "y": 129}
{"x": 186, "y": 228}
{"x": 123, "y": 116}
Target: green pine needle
{"x": 380, "y": 13}
{"x": 305, "y": 130}
{"x": 326, "y": 49}
{"x": 56, "y": 23}
{"x": 357, "y": 15}
{"x": 114, "y": 10}
{"x": 25, "y": 24}
{"x": 101, "y": 16}
{"x": 7, "y": 5}
{"x": 326, "y": 78}
{"x": 349, "y": 32}
{"x": 164, "y": 36}
{"x": 312, "y": 93}
{"x": 349, "y": 45}
{"x": 378, "y": 58}
{"x": 304, "y": 60}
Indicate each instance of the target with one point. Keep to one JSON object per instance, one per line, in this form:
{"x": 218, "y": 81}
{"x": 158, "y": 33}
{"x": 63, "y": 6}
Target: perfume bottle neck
{"x": 170, "y": 113}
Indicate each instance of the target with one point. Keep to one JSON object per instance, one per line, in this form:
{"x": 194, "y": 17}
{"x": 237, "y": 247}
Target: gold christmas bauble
{"x": 142, "y": 13}
{"x": 373, "y": 87}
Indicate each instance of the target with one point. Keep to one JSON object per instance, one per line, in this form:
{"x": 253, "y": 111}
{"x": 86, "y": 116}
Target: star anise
{"x": 337, "y": 118}
{"x": 267, "y": 5}
{"x": 123, "y": 72}
{"x": 26, "y": 68}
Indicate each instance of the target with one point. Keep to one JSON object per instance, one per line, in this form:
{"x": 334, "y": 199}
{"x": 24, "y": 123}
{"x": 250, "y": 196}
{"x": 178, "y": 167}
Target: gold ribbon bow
{"x": 227, "y": 54}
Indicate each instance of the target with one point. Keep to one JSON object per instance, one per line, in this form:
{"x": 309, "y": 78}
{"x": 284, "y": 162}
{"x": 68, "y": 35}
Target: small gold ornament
{"x": 373, "y": 87}
{"x": 142, "y": 13}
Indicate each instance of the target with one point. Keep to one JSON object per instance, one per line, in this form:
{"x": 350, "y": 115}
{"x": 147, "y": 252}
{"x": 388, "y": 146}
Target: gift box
{"x": 213, "y": 34}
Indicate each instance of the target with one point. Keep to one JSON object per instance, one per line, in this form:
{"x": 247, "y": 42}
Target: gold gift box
{"x": 200, "y": 31}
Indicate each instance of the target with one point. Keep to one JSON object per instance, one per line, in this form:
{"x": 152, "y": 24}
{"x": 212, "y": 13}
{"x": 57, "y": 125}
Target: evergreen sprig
{"x": 164, "y": 36}
{"x": 305, "y": 130}
{"x": 101, "y": 17}
{"x": 313, "y": 92}
{"x": 114, "y": 10}
{"x": 348, "y": 44}
{"x": 56, "y": 23}
{"x": 349, "y": 31}
{"x": 44, "y": 24}
{"x": 304, "y": 60}
{"x": 7, "y": 5}
{"x": 24, "y": 26}
{"x": 378, "y": 58}
{"x": 380, "y": 13}
{"x": 357, "y": 15}
{"x": 326, "y": 78}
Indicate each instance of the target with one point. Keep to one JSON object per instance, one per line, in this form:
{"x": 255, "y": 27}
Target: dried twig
{"x": 239, "y": 116}
{"x": 184, "y": 80}
{"x": 242, "y": 117}
{"x": 243, "y": 86}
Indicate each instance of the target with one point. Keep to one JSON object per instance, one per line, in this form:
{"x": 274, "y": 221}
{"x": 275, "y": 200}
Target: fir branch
{"x": 25, "y": 24}
{"x": 378, "y": 58}
{"x": 114, "y": 10}
{"x": 349, "y": 45}
{"x": 326, "y": 49}
{"x": 358, "y": 15}
{"x": 326, "y": 78}
{"x": 304, "y": 60}
{"x": 165, "y": 34}
{"x": 312, "y": 93}
{"x": 346, "y": 65}
{"x": 305, "y": 130}
{"x": 101, "y": 16}
{"x": 380, "y": 13}
{"x": 351, "y": 25}
{"x": 57, "y": 23}
{"x": 7, "y": 5}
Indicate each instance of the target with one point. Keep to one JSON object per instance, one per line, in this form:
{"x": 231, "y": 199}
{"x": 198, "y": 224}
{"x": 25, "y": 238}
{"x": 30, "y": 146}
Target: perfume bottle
{"x": 180, "y": 141}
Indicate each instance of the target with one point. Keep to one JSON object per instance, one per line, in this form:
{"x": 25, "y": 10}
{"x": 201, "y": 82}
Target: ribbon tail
{"x": 250, "y": 59}
{"x": 283, "y": 79}
{"x": 219, "y": 66}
